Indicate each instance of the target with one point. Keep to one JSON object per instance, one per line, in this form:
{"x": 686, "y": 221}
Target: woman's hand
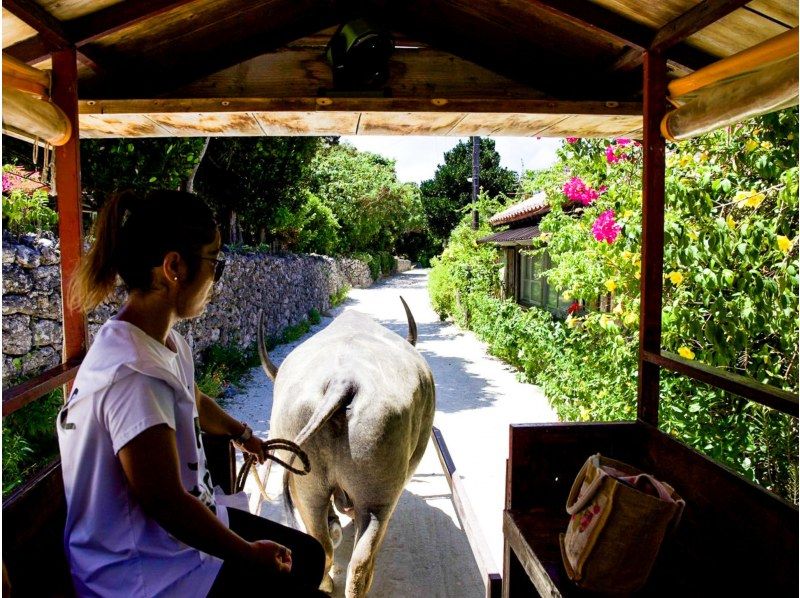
{"x": 254, "y": 446}
{"x": 272, "y": 555}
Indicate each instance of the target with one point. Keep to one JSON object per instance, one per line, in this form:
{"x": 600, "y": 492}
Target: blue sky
{"x": 417, "y": 157}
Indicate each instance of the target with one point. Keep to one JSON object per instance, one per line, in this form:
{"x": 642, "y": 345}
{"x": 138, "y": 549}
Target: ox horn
{"x": 412, "y": 325}
{"x": 268, "y": 366}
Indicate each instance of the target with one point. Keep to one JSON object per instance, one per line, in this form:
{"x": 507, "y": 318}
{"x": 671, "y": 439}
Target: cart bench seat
{"x": 35, "y": 514}
{"x": 734, "y": 536}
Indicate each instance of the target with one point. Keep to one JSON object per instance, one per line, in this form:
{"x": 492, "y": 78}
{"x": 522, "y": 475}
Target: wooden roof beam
{"x": 693, "y": 20}
{"x": 676, "y": 31}
{"x": 614, "y": 27}
{"x": 93, "y": 26}
{"x": 49, "y": 28}
{"x": 146, "y": 80}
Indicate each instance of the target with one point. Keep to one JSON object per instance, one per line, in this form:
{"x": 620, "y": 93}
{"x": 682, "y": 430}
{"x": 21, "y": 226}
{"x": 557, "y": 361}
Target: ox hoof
{"x": 327, "y": 584}
{"x": 335, "y": 530}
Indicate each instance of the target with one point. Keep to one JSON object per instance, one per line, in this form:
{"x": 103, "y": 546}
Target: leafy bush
{"x": 730, "y": 289}
{"x": 314, "y": 316}
{"x": 29, "y": 439}
{"x": 373, "y": 262}
{"x": 26, "y": 208}
{"x": 387, "y": 262}
{"x": 310, "y": 229}
{"x": 223, "y": 366}
{"x": 361, "y": 189}
{"x": 339, "y": 296}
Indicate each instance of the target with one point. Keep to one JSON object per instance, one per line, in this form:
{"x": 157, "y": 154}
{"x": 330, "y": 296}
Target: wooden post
{"x": 68, "y": 189}
{"x": 651, "y": 284}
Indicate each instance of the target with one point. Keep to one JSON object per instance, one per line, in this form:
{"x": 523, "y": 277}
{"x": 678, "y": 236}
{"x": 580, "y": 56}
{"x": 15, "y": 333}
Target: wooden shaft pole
{"x": 68, "y": 188}
{"x": 651, "y": 285}
{"x": 777, "y": 48}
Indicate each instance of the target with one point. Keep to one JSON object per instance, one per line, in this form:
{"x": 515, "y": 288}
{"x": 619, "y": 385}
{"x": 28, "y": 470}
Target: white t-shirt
{"x": 127, "y": 383}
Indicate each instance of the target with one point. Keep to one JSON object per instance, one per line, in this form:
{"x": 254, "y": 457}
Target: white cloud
{"x": 417, "y": 157}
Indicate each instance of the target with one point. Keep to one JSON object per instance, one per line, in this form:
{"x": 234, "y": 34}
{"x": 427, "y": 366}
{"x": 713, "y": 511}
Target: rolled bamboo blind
{"x": 756, "y": 81}
{"x": 27, "y": 109}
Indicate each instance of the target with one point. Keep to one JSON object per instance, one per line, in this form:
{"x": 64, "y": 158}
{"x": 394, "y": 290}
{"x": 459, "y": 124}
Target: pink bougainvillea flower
{"x": 572, "y": 139}
{"x": 576, "y": 190}
{"x": 622, "y": 141}
{"x": 7, "y": 186}
{"x": 613, "y": 156}
{"x": 605, "y": 228}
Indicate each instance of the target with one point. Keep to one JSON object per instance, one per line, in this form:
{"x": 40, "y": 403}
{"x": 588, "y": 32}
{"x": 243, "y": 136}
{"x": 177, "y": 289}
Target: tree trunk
{"x": 232, "y": 229}
{"x": 188, "y": 184}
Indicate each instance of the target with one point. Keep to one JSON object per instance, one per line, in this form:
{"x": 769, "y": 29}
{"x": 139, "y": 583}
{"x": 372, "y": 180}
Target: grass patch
{"x": 224, "y": 366}
{"x": 339, "y": 296}
{"x": 29, "y": 439}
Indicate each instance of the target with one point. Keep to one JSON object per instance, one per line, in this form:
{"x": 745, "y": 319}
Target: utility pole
{"x": 476, "y": 169}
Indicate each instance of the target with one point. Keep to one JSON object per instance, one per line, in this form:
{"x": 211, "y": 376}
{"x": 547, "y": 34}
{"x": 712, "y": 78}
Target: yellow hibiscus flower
{"x": 750, "y": 145}
{"x": 611, "y": 285}
{"x": 676, "y": 277}
{"x": 730, "y": 222}
{"x": 686, "y": 352}
{"x": 748, "y": 199}
{"x": 784, "y": 244}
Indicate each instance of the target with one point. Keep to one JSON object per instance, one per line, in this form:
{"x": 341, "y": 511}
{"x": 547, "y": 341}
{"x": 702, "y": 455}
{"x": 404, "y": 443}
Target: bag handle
{"x": 576, "y": 502}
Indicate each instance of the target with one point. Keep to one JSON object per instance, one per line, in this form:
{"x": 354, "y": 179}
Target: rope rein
{"x": 271, "y": 445}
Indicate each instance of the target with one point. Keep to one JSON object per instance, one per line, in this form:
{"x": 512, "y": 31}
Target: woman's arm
{"x": 150, "y": 464}
{"x": 214, "y": 420}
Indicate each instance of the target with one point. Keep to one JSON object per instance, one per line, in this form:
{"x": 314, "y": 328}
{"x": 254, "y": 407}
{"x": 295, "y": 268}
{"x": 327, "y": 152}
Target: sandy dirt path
{"x": 426, "y": 552}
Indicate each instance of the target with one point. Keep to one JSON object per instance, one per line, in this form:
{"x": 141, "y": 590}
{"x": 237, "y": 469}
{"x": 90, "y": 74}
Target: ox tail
{"x": 338, "y": 395}
{"x": 266, "y": 363}
{"x": 288, "y": 503}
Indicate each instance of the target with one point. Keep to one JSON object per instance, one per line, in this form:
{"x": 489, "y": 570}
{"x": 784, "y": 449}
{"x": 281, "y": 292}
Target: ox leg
{"x": 370, "y": 530}
{"x": 313, "y": 507}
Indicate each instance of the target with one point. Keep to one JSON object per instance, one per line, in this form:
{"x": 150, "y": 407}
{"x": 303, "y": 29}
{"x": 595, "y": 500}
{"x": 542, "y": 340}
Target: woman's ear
{"x": 173, "y": 268}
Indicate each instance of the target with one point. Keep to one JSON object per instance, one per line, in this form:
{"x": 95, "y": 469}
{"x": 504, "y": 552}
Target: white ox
{"x": 359, "y": 399}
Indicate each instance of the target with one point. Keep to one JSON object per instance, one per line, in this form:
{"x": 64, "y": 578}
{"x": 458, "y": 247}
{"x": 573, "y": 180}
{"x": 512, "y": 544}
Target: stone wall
{"x": 285, "y": 286}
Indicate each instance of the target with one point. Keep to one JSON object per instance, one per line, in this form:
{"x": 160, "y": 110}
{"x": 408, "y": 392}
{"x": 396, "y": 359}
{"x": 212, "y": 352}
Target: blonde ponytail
{"x": 97, "y": 273}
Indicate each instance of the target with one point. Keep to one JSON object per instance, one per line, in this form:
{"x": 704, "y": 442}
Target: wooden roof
{"x": 461, "y": 67}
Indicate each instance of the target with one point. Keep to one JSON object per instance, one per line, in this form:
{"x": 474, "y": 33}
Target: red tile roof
{"x": 514, "y": 236}
{"x": 525, "y": 209}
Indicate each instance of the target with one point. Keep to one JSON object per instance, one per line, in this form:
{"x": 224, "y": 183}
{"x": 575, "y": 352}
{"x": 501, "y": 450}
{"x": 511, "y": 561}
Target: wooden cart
{"x": 522, "y": 67}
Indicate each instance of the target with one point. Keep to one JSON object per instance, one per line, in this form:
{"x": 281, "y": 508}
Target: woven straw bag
{"x": 619, "y": 517}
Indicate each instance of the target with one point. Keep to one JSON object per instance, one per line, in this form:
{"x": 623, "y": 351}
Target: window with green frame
{"x": 534, "y": 289}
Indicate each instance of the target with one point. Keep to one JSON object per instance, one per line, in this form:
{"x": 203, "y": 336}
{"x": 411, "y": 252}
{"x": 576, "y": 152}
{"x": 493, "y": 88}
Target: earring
{"x": 174, "y": 278}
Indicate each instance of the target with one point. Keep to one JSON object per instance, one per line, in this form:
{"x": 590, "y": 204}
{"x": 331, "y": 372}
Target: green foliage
{"x": 449, "y": 192}
{"x": 465, "y": 267}
{"x": 314, "y": 316}
{"x": 312, "y": 228}
{"x": 294, "y": 332}
{"x": 372, "y": 208}
{"x": 254, "y": 178}
{"x": 29, "y": 439}
{"x": 28, "y": 212}
{"x": 223, "y": 366}
{"x": 339, "y": 296}
{"x": 110, "y": 165}
{"x": 730, "y": 290}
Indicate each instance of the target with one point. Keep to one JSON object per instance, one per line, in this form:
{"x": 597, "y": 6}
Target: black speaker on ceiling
{"x": 359, "y": 55}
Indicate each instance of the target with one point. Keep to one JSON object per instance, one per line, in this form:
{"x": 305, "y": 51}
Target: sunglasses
{"x": 219, "y": 266}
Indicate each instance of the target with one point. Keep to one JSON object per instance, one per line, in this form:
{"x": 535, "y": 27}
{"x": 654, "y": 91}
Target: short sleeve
{"x": 135, "y": 403}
